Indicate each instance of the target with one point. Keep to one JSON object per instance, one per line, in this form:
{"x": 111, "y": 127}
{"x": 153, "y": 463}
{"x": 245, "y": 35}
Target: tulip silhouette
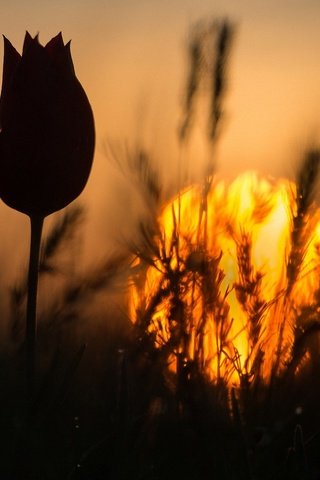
{"x": 47, "y": 128}
{"x": 46, "y": 145}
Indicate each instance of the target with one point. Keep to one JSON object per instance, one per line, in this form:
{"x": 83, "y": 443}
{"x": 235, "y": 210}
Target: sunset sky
{"x": 130, "y": 57}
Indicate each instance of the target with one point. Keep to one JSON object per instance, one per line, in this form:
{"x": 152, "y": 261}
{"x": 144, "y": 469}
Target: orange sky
{"x": 129, "y": 56}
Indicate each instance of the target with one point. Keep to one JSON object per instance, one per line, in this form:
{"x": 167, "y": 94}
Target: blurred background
{"x": 130, "y": 56}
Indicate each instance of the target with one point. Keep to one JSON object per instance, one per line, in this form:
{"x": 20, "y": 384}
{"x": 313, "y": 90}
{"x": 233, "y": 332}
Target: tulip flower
{"x": 47, "y": 128}
{"x": 46, "y": 145}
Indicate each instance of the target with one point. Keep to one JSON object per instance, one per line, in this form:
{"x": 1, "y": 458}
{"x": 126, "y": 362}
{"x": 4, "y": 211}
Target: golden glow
{"x": 221, "y": 293}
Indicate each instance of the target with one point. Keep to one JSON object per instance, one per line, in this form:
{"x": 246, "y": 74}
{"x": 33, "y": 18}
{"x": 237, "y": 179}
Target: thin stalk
{"x": 31, "y": 323}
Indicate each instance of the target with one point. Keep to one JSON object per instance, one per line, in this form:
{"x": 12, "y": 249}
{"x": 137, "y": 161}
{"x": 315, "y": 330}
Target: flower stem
{"x": 31, "y": 324}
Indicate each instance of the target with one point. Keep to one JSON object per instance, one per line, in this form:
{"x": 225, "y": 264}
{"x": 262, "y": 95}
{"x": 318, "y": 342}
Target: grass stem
{"x": 31, "y": 324}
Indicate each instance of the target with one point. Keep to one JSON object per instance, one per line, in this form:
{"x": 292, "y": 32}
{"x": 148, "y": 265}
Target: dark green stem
{"x": 31, "y": 324}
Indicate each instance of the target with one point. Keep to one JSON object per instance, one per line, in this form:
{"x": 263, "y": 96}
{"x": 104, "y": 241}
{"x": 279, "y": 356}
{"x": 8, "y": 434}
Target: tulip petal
{"x": 10, "y": 62}
{"x": 69, "y": 57}
{"x": 27, "y": 42}
{"x": 34, "y": 66}
{"x": 60, "y": 55}
{"x": 55, "y": 44}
